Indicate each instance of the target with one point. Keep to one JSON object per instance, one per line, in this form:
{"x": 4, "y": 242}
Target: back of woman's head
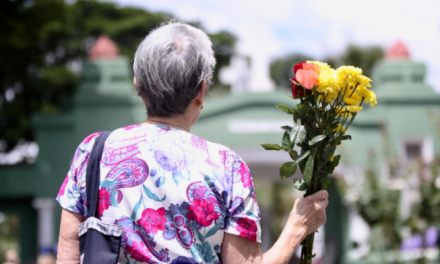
{"x": 170, "y": 66}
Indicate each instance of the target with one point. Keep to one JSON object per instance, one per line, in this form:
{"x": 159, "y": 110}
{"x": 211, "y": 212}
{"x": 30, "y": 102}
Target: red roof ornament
{"x": 104, "y": 47}
{"x": 398, "y": 51}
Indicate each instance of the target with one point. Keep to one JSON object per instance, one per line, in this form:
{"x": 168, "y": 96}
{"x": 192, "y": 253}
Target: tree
{"x": 281, "y": 69}
{"x": 41, "y": 39}
{"x": 358, "y": 56}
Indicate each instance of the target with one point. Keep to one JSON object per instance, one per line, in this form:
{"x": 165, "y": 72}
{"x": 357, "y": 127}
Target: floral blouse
{"x": 174, "y": 194}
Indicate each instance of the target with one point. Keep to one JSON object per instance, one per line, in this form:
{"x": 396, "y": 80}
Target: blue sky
{"x": 270, "y": 29}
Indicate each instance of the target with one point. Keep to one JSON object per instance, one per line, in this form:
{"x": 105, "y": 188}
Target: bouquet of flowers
{"x": 329, "y": 101}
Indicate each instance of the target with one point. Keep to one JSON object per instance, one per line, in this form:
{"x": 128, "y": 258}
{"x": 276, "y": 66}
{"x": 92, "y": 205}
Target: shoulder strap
{"x": 93, "y": 174}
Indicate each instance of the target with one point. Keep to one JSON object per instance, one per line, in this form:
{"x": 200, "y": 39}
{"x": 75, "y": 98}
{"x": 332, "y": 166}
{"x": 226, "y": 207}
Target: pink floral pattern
{"x": 174, "y": 194}
{"x": 103, "y": 201}
{"x": 245, "y": 174}
{"x": 153, "y": 220}
{"x": 247, "y": 228}
{"x": 202, "y": 211}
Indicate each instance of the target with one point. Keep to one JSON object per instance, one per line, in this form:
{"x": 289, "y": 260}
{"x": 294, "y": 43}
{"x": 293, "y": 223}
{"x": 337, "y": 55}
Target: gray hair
{"x": 170, "y": 66}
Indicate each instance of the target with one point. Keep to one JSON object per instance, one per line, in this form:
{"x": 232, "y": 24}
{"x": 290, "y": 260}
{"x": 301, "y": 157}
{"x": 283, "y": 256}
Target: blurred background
{"x": 65, "y": 72}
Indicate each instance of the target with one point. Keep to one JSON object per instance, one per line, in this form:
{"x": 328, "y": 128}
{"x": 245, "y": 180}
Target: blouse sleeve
{"x": 71, "y": 195}
{"x": 243, "y": 213}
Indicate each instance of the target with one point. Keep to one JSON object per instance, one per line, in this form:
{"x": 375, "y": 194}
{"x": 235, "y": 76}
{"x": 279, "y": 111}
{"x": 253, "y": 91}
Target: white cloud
{"x": 317, "y": 27}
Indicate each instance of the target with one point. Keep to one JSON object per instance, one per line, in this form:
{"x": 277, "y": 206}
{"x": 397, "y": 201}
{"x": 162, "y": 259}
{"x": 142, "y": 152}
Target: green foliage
{"x": 271, "y": 147}
{"x": 223, "y": 43}
{"x": 300, "y": 184}
{"x": 362, "y": 57}
{"x": 287, "y": 170}
{"x": 316, "y": 139}
{"x": 40, "y": 39}
{"x": 281, "y": 70}
{"x": 308, "y": 171}
{"x": 286, "y": 109}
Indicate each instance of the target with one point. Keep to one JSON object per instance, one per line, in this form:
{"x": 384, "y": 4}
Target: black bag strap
{"x": 93, "y": 174}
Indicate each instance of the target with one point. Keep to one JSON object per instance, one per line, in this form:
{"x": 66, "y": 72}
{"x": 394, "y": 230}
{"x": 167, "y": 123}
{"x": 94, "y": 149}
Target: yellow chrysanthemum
{"x": 371, "y": 99}
{"x": 327, "y": 82}
{"x": 354, "y": 99}
{"x": 340, "y": 111}
{"x": 362, "y": 91}
{"x": 370, "y": 96}
{"x": 354, "y": 108}
{"x": 324, "y": 66}
{"x": 348, "y": 76}
{"x": 364, "y": 80}
{"x": 328, "y": 99}
{"x": 339, "y": 128}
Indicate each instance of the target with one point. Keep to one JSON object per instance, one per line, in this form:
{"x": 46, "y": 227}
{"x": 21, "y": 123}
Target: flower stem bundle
{"x": 329, "y": 101}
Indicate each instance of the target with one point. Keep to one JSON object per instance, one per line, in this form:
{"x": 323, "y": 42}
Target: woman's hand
{"x": 308, "y": 214}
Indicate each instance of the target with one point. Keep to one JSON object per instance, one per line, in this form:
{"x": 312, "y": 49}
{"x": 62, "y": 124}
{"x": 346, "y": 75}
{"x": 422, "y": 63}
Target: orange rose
{"x": 308, "y": 76}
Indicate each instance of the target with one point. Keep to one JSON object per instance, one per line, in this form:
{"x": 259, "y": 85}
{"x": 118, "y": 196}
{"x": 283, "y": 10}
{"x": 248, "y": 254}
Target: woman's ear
{"x": 134, "y": 82}
{"x": 201, "y": 95}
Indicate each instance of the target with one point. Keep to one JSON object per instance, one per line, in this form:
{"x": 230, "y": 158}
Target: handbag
{"x": 99, "y": 242}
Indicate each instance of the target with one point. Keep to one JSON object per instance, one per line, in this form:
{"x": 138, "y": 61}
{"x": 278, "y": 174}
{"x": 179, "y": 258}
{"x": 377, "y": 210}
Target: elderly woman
{"x": 193, "y": 198}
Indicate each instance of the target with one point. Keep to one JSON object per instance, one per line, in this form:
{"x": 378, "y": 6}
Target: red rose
{"x": 202, "y": 211}
{"x": 297, "y": 90}
{"x": 298, "y": 66}
{"x": 153, "y": 220}
{"x": 247, "y": 228}
{"x": 103, "y": 201}
{"x": 308, "y": 76}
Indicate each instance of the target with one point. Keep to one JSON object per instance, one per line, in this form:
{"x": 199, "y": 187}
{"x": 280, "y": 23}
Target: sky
{"x": 319, "y": 28}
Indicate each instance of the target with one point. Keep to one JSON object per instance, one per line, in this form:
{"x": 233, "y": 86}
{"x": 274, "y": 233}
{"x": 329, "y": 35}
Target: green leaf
{"x": 153, "y": 196}
{"x": 298, "y": 133}
{"x": 327, "y": 183}
{"x": 285, "y": 108}
{"x": 300, "y": 184}
{"x": 336, "y": 160}
{"x": 287, "y": 170}
{"x": 334, "y": 163}
{"x": 346, "y": 137}
{"x": 293, "y": 154}
{"x": 329, "y": 150}
{"x": 300, "y": 158}
{"x": 308, "y": 171}
{"x": 316, "y": 139}
{"x": 271, "y": 147}
{"x": 296, "y": 117}
{"x": 286, "y": 143}
{"x": 286, "y": 128}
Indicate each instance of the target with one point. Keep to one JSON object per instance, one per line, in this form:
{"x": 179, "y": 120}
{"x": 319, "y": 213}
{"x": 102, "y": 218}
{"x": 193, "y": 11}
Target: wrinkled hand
{"x": 308, "y": 214}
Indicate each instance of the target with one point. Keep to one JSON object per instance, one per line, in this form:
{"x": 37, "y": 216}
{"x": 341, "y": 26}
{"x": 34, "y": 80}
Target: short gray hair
{"x": 170, "y": 66}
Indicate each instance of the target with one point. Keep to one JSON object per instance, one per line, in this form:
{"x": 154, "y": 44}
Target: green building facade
{"x": 106, "y": 100}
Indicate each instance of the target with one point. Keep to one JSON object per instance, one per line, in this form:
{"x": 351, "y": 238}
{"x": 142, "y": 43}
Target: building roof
{"x": 104, "y": 47}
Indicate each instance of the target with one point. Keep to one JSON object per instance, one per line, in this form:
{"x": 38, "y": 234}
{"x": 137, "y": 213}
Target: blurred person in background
{"x": 11, "y": 257}
{"x": 178, "y": 197}
{"x": 46, "y": 258}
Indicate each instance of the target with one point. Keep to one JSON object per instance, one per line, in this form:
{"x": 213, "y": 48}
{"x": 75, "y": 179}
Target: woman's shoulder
{"x": 215, "y": 150}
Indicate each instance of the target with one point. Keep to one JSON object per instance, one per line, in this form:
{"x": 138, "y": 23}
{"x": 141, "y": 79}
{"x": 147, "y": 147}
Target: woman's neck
{"x": 179, "y": 122}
